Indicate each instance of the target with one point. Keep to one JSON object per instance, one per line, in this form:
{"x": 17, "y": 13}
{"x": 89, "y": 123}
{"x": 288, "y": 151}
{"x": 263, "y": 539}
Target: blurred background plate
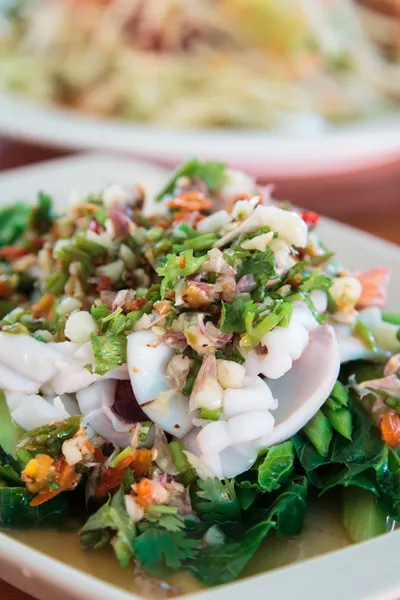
{"x": 338, "y": 149}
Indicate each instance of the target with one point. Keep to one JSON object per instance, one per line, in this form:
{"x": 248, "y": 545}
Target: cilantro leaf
{"x": 222, "y": 564}
{"x": 233, "y": 315}
{"x": 13, "y": 222}
{"x": 178, "y": 265}
{"x": 111, "y": 523}
{"x": 218, "y": 501}
{"x": 280, "y": 315}
{"x": 109, "y": 351}
{"x": 41, "y": 217}
{"x": 157, "y": 548}
{"x": 261, "y": 265}
{"x": 315, "y": 281}
{"x": 171, "y": 522}
{"x": 212, "y": 173}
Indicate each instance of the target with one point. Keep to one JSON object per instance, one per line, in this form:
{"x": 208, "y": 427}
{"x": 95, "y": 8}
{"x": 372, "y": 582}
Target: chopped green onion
{"x": 56, "y": 283}
{"x": 161, "y": 509}
{"x": 191, "y": 378}
{"x": 24, "y": 456}
{"x": 202, "y": 242}
{"x": 210, "y": 415}
{"x": 178, "y": 456}
{"x": 393, "y": 318}
{"x": 362, "y": 331}
{"x": 121, "y": 456}
{"x": 144, "y": 431}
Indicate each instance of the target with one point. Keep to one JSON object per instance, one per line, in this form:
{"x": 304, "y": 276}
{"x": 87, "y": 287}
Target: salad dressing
{"x": 323, "y": 532}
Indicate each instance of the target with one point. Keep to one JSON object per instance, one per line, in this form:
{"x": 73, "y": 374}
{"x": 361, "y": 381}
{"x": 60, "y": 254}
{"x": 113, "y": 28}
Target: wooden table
{"x": 368, "y": 199}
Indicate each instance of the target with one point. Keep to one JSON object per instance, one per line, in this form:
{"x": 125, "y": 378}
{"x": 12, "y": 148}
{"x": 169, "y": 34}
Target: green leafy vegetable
{"x": 212, "y": 173}
{"x": 361, "y": 516}
{"x": 319, "y": 432}
{"x": 222, "y": 564}
{"x": 41, "y": 217}
{"x": 277, "y": 466}
{"x": 111, "y": 523}
{"x": 16, "y": 511}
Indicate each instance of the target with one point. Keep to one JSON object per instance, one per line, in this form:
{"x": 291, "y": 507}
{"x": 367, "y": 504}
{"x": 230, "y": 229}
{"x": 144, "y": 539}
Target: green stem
{"x": 178, "y": 456}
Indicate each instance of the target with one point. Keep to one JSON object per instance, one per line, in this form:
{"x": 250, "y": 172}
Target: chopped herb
{"x": 109, "y": 351}
{"x": 212, "y": 173}
{"x": 178, "y": 266}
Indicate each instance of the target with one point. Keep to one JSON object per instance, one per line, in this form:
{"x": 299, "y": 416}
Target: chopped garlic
{"x": 346, "y": 292}
{"x": 135, "y": 511}
{"x": 208, "y": 395}
{"x": 244, "y": 208}
{"x": 230, "y": 374}
{"x": 71, "y": 452}
{"x": 79, "y": 326}
{"x": 114, "y": 195}
{"x": 215, "y": 222}
{"x": 68, "y": 305}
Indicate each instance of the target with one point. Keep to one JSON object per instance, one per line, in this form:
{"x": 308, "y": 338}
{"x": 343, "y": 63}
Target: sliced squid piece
{"x": 303, "y": 390}
{"x": 237, "y": 459}
{"x": 255, "y": 395}
{"x": 103, "y": 422}
{"x": 29, "y": 357}
{"x": 148, "y": 359}
{"x": 32, "y": 411}
{"x": 284, "y": 345}
{"x": 250, "y": 425}
{"x": 96, "y": 395}
{"x": 11, "y": 380}
{"x": 72, "y": 377}
{"x": 288, "y": 224}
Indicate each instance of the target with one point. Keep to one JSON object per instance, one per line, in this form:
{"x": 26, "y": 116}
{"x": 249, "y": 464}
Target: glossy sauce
{"x": 323, "y": 532}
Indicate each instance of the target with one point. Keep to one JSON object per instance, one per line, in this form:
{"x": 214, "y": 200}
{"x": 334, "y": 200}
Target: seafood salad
{"x": 181, "y": 380}
{"x": 301, "y": 64}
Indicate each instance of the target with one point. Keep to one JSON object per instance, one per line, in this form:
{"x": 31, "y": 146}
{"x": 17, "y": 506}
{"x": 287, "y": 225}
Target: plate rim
{"x": 21, "y": 564}
{"x": 345, "y": 149}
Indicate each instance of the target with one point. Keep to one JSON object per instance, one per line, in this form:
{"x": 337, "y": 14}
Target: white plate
{"x": 365, "y": 571}
{"x": 336, "y": 150}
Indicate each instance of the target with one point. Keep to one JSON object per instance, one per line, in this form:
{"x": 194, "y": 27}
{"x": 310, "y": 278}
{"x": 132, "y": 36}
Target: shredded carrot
{"x": 191, "y": 218}
{"x": 191, "y": 201}
{"x": 13, "y": 252}
{"x": 89, "y": 208}
{"x": 103, "y": 283}
{"x": 390, "y": 429}
{"x": 45, "y": 307}
{"x": 44, "y": 497}
{"x": 144, "y": 493}
{"x": 113, "y": 476}
{"x": 141, "y": 464}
